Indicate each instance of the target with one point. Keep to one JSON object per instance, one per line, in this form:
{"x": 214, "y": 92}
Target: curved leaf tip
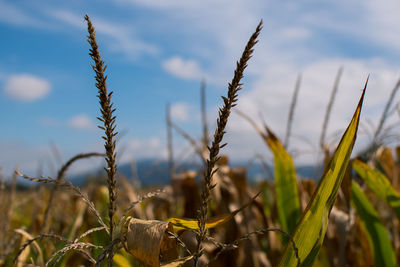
{"x": 310, "y": 231}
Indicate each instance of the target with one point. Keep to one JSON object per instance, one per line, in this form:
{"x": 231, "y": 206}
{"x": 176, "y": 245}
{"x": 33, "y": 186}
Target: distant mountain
{"x": 156, "y": 172}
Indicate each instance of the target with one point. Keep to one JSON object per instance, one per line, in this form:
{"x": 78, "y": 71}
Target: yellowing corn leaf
{"x": 148, "y": 241}
{"x": 310, "y": 231}
{"x": 386, "y": 160}
{"x": 287, "y": 193}
{"x": 182, "y": 224}
{"x": 378, "y": 237}
{"x": 380, "y": 184}
{"x": 121, "y": 261}
{"x": 178, "y": 262}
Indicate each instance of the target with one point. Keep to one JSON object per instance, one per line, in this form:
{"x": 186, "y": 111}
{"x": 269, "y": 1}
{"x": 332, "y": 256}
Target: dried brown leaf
{"x": 148, "y": 241}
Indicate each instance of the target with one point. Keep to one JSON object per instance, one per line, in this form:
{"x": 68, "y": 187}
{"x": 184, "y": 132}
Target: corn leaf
{"x": 287, "y": 194}
{"x": 181, "y": 224}
{"x": 185, "y": 224}
{"x": 154, "y": 245}
{"x": 178, "y": 262}
{"x": 121, "y": 261}
{"x": 378, "y": 237}
{"x": 380, "y": 184}
{"x": 310, "y": 231}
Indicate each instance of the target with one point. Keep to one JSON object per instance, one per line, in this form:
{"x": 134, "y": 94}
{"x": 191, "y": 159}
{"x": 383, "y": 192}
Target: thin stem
{"x": 291, "y": 111}
{"x": 108, "y": 120}
{"x": 329, "y": 108}
{"x": 386, "y": 110}
{"x": 60, "y": 176}
{"x": 169, "y": 142}
{"x": 204, "y": 115}
{"x": 224, "y": 112}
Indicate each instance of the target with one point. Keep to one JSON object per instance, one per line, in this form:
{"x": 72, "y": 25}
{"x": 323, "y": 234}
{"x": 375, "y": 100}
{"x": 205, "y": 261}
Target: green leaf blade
{"x": 378, "y": 237}
{"x": 380, "y": 184}
{"x": 310, "y": 231}
{"x": 286, "y": 189}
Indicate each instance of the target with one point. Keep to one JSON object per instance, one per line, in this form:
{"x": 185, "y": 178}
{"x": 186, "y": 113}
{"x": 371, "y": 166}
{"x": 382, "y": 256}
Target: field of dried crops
{"x": 211, "y": 216}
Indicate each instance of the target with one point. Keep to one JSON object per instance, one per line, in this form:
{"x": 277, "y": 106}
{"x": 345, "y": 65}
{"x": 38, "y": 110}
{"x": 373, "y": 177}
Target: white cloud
{"x": 16, "y": 16}
{"x": 82, "y": 122}
{"x": 122, "y": 38}
{"x": 295, "y": 33}
{"x": 159, "y": 4}
{"x": 26, "y": 87}
{"x": 145, "y": 148}
{"x": 297, "y": 37}
{"x": 367, "y": 21}
{"x": 271, "y": 96}
{"x": 186, "y": 69}
{"x": 180, "y": 112}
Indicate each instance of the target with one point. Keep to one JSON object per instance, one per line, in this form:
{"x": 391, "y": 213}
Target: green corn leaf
{"x": 287, "y": 194}
{"x": 378, "y": 237}
{"x": 310, "y": 231}
{"x": 378, "y": 183}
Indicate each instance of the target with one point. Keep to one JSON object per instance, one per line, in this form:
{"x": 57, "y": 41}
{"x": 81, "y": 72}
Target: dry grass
{"x": 60, "y": 176}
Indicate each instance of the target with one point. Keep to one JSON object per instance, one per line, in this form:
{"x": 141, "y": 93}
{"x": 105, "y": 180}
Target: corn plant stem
{"x": 169, "y": 142}
{"x": 377, "y": 137}
{"x": 204, "y": 115}
{"x": 108, "y": 120}
{"x": 386, "y": 111}
{"x": 291, "y": 111}
{"x": 192, "y": 142}
{"x": 329, "y": 108}
{"x": 224, "y": 112}
{"x": 56, "y": 152}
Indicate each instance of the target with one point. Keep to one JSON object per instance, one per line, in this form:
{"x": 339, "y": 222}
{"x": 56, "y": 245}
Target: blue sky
{"x": 157, "y": 52}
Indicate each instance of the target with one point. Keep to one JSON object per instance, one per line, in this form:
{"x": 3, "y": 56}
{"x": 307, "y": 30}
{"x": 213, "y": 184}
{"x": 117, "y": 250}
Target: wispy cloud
{"x": 121, "y": 38}
{"x": 180, "y": 112}
{"x": 205, "y": 38}
{"x": 26, "y": 87}
{"x": 271, "y": 97}
{"x": 146, "y": 148}
{"x": 82, "y": 122}
{"x": 10, "y": 14}
{"x": 187, "y": 69}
